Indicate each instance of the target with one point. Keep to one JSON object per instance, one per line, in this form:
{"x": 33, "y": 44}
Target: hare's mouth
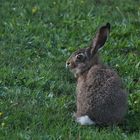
{"x": 73, "y": 68}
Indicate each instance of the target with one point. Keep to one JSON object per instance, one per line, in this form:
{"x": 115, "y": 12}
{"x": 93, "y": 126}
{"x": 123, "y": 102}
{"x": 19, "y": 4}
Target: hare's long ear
{"x": 100, "y": 38}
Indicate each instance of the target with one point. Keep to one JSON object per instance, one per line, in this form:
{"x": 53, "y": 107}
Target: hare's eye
{"x": 80, "y": 56}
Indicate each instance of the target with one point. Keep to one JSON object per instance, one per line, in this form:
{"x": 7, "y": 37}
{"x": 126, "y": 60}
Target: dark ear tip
{"x": 108, "y": 25}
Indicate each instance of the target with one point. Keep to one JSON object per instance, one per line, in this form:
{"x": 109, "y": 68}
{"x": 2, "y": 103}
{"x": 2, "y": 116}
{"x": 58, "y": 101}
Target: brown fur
{"x": 99, "y": 89}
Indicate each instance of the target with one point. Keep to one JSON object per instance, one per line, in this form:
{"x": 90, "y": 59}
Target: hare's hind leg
{"x": 85, "y": 120}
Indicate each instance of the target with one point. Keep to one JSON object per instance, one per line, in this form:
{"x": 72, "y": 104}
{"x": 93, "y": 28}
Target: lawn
{"x": 37, "y": 93}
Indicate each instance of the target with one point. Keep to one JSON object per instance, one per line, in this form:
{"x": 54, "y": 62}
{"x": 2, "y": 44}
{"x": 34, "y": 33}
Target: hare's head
{"x": 81, "y": 60}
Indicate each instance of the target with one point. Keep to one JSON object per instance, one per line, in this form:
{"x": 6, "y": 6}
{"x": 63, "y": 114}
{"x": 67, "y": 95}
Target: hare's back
{"x": 101, "y": 76}
{"x": 108, "y": 101}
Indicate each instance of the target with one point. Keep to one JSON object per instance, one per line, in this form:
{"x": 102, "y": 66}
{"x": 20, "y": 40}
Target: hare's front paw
{"x": 85, "y": 120}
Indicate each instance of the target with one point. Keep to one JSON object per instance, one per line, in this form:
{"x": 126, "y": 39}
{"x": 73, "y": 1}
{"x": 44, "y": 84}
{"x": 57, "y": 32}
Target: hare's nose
{"x": 67, "y": 64}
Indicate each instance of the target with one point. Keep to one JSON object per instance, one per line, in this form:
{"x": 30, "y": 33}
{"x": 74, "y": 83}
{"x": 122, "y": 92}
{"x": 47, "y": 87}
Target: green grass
{"x": 37, "y": 93}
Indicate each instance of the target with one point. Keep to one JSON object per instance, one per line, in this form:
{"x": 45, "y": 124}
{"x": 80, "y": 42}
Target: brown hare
{"x": 100, "y": 95}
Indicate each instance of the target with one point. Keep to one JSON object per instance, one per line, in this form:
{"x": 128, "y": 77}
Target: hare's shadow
{"x": 131, "y": 123}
